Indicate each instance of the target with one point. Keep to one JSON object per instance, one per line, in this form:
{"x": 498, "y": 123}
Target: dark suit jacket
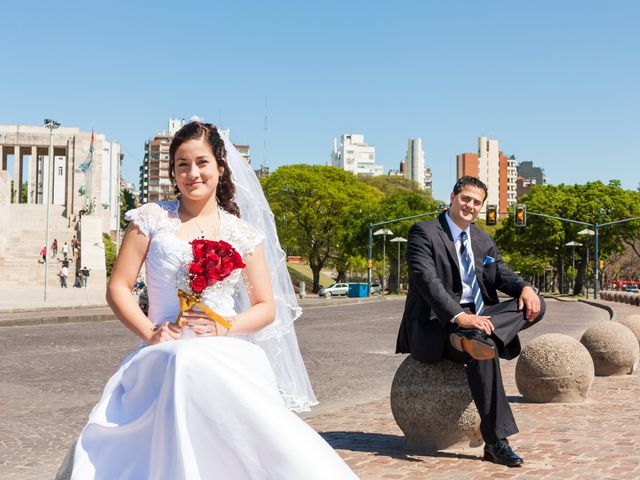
{"x": 435, "y": 287}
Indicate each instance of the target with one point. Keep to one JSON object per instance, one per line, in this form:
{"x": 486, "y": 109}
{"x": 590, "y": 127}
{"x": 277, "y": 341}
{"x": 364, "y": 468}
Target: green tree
{"x": 127, "y": 201}
{"x": 543, "y": 241}
{"x": 390, "y": 185}
{"x": 109, "y": 252}
{"x": 312, "y": 206}
{"x": 401, "y": 204}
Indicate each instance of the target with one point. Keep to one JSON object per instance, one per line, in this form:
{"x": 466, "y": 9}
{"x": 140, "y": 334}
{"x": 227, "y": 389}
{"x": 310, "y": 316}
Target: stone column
{"x": 17, "y": 171}
{"x": 3, "y": 162}
{"x": 33, "y": 175}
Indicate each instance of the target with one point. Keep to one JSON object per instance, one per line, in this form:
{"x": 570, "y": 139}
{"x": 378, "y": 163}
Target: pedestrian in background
{"x": 78, "y": 281}
{"x": 65, "y": 250}
{"x": 64, "y": 273}
{"x": 54, "y": 247}
{"x": 75, "y": 245}
{"x": 84, "y": 271}
{"x": 43, "y": 254}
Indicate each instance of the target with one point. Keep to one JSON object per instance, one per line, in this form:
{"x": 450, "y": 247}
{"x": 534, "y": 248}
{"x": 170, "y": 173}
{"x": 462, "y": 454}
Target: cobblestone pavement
{"x": 53, "y": 375}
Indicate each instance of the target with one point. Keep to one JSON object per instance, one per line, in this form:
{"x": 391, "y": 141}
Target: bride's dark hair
{"x": 197, "y": 131}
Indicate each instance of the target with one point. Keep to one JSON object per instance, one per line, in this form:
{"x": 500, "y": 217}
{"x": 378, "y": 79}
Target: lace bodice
{"x": 168, "y": 257}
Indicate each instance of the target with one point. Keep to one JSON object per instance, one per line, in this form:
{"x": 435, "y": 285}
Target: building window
{"x": 59, "y": 170}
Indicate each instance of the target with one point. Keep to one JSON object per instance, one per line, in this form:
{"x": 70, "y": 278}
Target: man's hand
{"x": 530, "y": 300}
{"x": 479, "y": 322}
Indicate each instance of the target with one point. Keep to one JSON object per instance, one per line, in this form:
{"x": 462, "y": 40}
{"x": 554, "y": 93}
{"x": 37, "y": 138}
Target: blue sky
{"x": 557, "y": 82}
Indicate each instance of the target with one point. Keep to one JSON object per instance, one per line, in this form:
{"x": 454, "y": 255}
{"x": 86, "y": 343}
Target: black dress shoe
{"x": 500, "y": 452}
{"x": 473, "y": 343}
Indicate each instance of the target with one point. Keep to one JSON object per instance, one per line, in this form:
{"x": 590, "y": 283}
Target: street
{"x": 54, "y": 374}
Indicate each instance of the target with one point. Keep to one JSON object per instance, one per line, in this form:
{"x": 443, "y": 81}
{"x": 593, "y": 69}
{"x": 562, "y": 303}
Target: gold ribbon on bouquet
{"x": 188, "y": 302}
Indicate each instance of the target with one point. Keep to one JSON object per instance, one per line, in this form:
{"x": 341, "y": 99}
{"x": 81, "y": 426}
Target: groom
{"x": 452, "y": 309}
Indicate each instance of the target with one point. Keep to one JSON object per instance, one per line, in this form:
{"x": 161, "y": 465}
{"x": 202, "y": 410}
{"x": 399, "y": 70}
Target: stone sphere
{"x": 554, "y": 368}
{"x": 613, "y": 348}
{"x": 432, "y": 405}
{"x": 632, "y": 322}
{"x": 616, "y": 297}
{"x": 66, "y": 468}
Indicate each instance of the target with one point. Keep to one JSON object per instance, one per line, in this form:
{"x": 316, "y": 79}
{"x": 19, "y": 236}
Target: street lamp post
{"x": 589, "y": 232}
{"x": 398, "y": 240}
{"x": 573, "y": 246}
{"x": 51, "y": 125}
{"x": 384, "y": 232}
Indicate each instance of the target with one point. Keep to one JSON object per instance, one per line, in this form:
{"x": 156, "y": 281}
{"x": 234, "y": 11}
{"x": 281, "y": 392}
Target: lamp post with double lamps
{"x": 590, "y": 232}
{"x": 398, "y": 240}
{"x": 51, "y": 125}
{"x": 384, "y": 232}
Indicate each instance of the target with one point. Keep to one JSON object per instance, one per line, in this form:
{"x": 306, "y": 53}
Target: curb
{"x": 333, "y": 301}
{"x": 54, "y": 309}
{"x": 81, "y": 316}
{"x": 612, "y": 312}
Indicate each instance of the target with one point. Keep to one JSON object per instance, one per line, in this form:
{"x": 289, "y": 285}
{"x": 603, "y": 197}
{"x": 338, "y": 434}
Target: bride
{"x": 210, "y": 396}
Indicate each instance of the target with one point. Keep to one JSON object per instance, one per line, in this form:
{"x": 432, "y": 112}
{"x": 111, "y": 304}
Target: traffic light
{"x": 520, "y": 216}
{"x": 492, "y": 212}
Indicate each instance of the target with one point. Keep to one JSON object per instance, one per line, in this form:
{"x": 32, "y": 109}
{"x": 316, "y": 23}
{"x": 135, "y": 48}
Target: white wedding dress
{"x": 197, "y": 408}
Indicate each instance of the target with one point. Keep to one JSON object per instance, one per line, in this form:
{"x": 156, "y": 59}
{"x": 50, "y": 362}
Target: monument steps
{"x": 21, "y": 262}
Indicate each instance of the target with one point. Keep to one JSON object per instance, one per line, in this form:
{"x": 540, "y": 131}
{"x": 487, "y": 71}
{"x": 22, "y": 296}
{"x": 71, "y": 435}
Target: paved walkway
{"x": 598, "y": 439}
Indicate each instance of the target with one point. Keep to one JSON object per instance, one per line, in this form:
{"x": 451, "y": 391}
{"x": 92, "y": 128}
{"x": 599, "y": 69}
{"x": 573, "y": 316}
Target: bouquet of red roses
{"x": 212, "y": 262}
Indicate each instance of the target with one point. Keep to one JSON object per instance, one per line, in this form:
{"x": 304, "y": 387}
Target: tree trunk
{"x": 315, "y": 269}
{"x": 342, "y": 276}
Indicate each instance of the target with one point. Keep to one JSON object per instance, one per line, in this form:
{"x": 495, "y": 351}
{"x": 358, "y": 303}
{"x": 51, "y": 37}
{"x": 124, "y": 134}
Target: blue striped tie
{"x": 470, "y": 273}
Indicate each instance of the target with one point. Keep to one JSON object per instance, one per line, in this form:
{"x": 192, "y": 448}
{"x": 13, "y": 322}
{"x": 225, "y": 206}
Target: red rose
{"x": 196, "y": 268}
{"x": 237, "y": 259}
{"x": 213, "y": 257}
{"x": 224, "y": 248}
{"x": 199, "y": 248}
{"x": 198, "y": 284}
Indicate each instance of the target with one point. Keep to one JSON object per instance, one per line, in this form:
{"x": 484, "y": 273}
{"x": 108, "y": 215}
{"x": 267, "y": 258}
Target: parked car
{"x": 335, "y": 289}
{"x": 632, "y": 289}
{"x": 375, "y": 288}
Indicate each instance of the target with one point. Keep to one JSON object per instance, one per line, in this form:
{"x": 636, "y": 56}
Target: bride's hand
{"x": 165, "y": 332}
{"x": 202, "y": 325}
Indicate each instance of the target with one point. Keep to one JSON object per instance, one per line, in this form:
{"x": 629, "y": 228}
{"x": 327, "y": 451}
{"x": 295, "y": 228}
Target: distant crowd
{"x": 70, "y": 252}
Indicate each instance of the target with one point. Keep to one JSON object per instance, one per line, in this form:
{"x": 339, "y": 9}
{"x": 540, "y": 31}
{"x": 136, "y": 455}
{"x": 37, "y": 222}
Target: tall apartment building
{"x": 414, "y": 164}
{"x": 155, "y": 183}
{"x": 355, "y": 155}
{"x": 529, "y": 176}
{"x": 494, "y": 168}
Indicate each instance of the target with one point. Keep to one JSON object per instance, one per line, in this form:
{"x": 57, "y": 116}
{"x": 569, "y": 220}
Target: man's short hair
{"x": 467, "y": 181}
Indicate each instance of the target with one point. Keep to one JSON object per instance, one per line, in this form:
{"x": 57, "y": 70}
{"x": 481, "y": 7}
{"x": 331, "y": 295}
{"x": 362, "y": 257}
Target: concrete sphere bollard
{"x": 637, "y": 299}
{"x": 632, "y": 322}
{"x": 432, "y": 405}
{"x": 613, "y": 348}
{"x": 66, "y": 468}
{"x": 554, "y": 368}
{"x": 626, "y": 298}
{"x": 616, "y": 297}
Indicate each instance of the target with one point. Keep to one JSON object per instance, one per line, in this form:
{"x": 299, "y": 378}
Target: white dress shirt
{"x": 467, "y": 296}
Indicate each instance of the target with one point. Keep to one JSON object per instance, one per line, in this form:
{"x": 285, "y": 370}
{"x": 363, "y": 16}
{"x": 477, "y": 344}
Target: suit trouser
{"x": 485, "y": 377}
